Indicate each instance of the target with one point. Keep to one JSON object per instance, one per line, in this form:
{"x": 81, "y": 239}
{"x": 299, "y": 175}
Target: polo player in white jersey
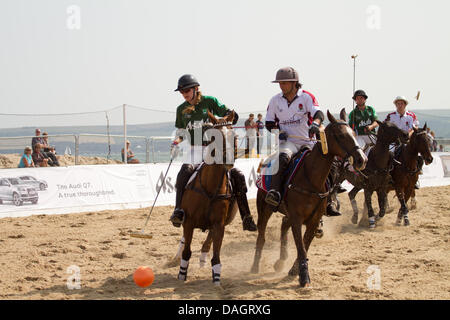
{"x": 295, "y": 112}
{"x": 405, "y": 120}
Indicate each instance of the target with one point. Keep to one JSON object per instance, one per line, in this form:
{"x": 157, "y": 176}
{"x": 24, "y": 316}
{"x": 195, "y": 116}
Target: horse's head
{"x": 341, "y": 141}
{"x": 388, "y": 133}
{"x": 422, "y": 143}
{"x": 222, "y": 140}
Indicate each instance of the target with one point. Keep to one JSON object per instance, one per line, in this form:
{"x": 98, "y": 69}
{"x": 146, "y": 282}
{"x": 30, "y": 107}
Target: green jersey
{"x": 359, "y": 119}
{"x": 193, "y": 120}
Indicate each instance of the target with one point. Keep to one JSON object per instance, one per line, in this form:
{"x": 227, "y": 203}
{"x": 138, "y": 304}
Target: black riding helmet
{"x": 187, "y": 81}
{"x": 360, "y": 93}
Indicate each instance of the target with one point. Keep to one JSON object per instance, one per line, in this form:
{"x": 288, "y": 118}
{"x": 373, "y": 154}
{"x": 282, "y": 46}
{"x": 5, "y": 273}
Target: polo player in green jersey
{"x": 362, "y": 121}
{"x": 191, "y": 115}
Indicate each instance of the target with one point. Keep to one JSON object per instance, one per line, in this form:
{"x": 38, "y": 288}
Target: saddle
{"x": 264, "y": 179}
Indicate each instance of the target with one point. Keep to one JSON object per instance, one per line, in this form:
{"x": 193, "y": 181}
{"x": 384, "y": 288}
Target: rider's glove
{"x": 174, "y": 149}
{"x": 313, "y": 129}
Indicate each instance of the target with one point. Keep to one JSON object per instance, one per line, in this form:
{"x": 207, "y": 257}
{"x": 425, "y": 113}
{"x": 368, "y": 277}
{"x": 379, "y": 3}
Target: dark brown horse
{"x": 406, "y": 173}
{"x": 306, "y": 198}
{"x": 208, "y": 203}
{"x": 375, "y": 177}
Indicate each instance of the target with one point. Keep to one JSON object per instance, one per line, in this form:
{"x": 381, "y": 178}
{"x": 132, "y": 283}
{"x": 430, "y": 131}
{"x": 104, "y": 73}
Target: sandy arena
{"x": 414, "y": 261}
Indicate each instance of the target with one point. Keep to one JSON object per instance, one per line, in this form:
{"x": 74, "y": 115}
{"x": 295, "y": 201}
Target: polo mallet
{"x": 141, "y": 233}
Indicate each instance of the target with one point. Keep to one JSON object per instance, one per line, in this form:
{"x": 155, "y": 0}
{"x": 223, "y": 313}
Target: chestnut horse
{"x": 406, "y": 173}
{"x": 208, "y": 203}
{"x": 306, "y": 197}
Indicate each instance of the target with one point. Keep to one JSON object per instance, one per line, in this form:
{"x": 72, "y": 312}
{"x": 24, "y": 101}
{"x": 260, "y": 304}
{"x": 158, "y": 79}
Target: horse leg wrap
{"x": 182, "y": 275}
{"x": 216, "y": 270}
{"x": 203, "y": 256}
{"x": 303, "y": 273}
{"x": 372, "y": 222}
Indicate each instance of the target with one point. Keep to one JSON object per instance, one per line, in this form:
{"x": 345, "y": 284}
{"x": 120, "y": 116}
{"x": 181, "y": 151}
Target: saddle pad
{"x": 264, "y": 180}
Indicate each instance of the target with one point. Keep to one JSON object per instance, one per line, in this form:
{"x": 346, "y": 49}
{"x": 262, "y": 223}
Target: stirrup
{"x": 273, "y": 198}
{"x": 177, "y": 217}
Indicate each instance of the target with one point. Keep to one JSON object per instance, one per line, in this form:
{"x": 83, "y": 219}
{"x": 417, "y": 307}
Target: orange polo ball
{"x": 143, "y": 276}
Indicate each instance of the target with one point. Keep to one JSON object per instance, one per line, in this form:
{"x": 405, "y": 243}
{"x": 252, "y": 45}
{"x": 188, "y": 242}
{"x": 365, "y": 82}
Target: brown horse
{"x": 406, "y": 173}
{"x": 306, "y": 198}
{"x": 208, "y": 203}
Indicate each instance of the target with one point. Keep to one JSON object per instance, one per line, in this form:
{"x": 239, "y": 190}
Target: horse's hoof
{"x": 406, "y": 222}
{"x": 355, "y": 219}
{"x": 254, "y": 269}
{"x": 182, "y": 277}
{"x": 279, "y": 265}
{"x": 319, "y": 233}
{"x": 305, "y": 285}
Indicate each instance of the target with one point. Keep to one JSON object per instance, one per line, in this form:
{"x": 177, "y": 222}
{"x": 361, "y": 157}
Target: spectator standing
{"x": 259, "y": 133}
{"x": 441, "y": 148}
{"x": 37, "y": 139}
{"x": 433, "y": 142}
{"x": 26, "y": 161}
{"x": 250, "y": 133}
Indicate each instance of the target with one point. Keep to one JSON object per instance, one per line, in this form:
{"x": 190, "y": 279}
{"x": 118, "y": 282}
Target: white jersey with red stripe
{"x": 405, "y": 121}
{"x": 294, "y": 118}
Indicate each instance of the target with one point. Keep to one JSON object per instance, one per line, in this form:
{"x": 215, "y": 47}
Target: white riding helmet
{"x": 403, "y": 98}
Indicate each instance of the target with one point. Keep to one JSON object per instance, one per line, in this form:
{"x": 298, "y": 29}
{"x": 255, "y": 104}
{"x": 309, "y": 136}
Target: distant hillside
{"x": 438, "y": 120}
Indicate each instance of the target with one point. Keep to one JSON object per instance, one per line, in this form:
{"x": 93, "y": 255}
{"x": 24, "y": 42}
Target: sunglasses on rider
{"x": 185, "y": 90}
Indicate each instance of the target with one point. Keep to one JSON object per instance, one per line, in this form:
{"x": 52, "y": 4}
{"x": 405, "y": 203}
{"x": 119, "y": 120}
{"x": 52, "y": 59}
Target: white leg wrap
{"x": 182, "y": 275}
{"x": 180, "y": 247}
{"x": 216, "y": 270}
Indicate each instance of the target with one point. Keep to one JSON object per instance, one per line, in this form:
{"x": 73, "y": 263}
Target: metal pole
{"x": 77, "y": 144}
{"x": 124, "y": 135}
{"x": 147, "y": 150}
{"x": 354, "y": 76}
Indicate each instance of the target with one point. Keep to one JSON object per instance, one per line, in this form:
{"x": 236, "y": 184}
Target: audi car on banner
{"x": 11, "y": 189}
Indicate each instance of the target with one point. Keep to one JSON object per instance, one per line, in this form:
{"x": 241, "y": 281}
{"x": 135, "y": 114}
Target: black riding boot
{"x": 177, "y": 217}
{"x": 273, "y": 197}
{"x": 332, "y": 200}
{"x": 240, "y": 191}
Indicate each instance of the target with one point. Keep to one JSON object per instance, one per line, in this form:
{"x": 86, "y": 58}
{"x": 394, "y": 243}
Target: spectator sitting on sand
{"x": 26, "y": 161}
{"x": 49, "y": 151}
{"x": 38, "y": 157}
{"x": 130, "y": 155}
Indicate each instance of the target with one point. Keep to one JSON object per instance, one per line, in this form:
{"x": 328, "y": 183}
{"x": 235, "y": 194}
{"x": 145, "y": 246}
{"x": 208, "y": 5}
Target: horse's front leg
{"x": 382, "y": 198}
{"x": 264, "y": 215}
{"x": 283, "y": 246}
{"x": 186, "y": 254}
{"x": 403, "y": 211}
{"x": 303, "y": 274}
{"x": 370, "y": 212}
{"x": 217, "y": 237}
{"x": 352, "y": 194}
{"x": 205, "y": 249}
